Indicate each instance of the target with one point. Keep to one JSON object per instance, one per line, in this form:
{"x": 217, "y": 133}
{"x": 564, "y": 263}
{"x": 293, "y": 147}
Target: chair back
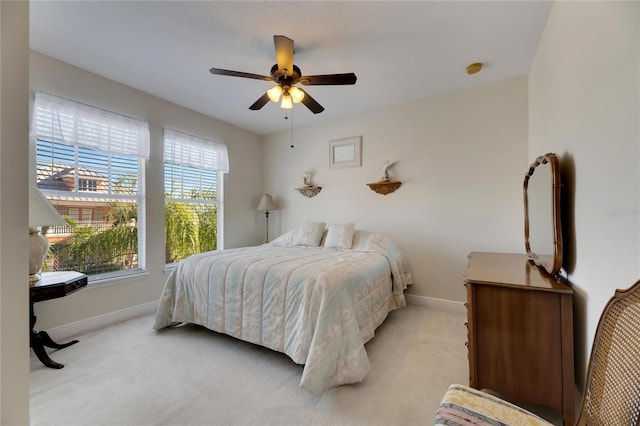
{"x": 612, "y": 389}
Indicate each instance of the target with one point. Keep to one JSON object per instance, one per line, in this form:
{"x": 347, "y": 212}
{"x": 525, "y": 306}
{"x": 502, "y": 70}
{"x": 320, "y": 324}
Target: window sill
{"x": 117, "y": 278}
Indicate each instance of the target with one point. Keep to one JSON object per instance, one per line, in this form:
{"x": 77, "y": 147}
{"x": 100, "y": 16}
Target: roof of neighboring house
{"x": 52, "y": 176}
{"x": 93, "y": 200}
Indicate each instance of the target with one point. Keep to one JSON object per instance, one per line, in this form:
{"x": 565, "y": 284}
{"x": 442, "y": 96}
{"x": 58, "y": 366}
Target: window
{"x": 81, "y": 215}
{"x": 87, "y": 185}
{"x": 193, "y": 172}
{"x": 90, "y": 164}
{"x": 86, "y": 215}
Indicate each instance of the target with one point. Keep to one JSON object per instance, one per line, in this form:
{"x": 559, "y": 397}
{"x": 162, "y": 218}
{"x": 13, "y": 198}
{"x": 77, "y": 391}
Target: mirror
{"x": 542, "y": 228}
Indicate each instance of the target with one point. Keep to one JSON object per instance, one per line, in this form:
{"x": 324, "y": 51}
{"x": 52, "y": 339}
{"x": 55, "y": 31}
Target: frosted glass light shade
{"x": 297, "y": 95}
{"x": 286, "y": 101}
{"x": 274, "y": 93}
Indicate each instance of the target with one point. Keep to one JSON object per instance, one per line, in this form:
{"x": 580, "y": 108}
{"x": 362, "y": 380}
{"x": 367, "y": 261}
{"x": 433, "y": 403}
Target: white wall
{"x": 14, "y": 293}
{"x": 242, "y": 184}
{"x": 461, "y": 158}
{"x": 584, "y": 104}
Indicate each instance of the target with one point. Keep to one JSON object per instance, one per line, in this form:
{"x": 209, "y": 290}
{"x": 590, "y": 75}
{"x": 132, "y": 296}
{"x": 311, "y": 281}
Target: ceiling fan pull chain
{"x": 292, "y": 128}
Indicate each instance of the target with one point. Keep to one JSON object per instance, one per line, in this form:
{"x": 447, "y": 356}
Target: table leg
{"x": 41, "y": 353}
{"x": 39, "y": 340}
{"x": 48, "y": 341}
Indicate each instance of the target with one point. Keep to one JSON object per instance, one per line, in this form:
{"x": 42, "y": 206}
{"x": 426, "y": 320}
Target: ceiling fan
{"x": 286, "y": 75}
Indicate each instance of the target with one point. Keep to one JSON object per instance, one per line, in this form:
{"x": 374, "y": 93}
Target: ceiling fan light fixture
{"x": 297, "y": 95}
{"x": 286, "y": 101}
{"x": 274, "y": 93}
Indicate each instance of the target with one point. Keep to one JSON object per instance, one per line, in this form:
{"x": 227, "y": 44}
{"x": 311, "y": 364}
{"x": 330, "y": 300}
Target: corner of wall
{"x": 14, "y": 292}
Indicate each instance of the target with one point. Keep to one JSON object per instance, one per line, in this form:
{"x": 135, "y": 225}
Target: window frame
{"x": 87, "y": 185}
{"x": 73, "y": 124}
{"x": 221, "y": 160}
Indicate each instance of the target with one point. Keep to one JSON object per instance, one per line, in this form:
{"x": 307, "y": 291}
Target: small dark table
{"x": 52, "y": 286}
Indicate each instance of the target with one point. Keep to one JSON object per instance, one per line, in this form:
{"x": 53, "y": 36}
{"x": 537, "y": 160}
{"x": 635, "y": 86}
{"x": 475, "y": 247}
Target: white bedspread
{"x": 316, "y": 305}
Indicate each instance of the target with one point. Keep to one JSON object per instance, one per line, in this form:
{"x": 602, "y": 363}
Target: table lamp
{"x": 266, "y": 204}
{"x": 41, "y": 213}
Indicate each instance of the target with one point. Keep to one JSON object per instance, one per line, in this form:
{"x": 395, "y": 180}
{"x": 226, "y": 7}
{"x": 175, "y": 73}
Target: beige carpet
{"x": 129, "y": 374}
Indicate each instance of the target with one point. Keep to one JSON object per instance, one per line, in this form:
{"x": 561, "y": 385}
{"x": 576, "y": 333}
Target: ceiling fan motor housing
{"x": 286, "y": 77}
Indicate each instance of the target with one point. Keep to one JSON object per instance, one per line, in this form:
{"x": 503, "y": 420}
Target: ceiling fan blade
{"x": 284, "y": 53}
{"x": 218, "y": 71}
{"x": 311, "y": 103}
{"x": 328, "y": 79}
{"x": 262, "y": 101}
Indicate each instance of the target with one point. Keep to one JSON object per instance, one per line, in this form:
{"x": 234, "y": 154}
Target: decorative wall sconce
{"x": 308, "y": 190}
{"x": 385, "y": 185}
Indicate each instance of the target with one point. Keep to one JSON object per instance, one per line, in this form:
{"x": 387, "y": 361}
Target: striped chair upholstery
{"x": 465, "y": 406}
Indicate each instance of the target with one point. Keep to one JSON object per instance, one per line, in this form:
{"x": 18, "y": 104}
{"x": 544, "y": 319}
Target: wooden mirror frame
{"x": 553, "y": 263}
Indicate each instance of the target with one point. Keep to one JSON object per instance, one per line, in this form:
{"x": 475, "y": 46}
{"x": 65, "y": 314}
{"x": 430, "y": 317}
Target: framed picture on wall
{"x": 344, "y": 153}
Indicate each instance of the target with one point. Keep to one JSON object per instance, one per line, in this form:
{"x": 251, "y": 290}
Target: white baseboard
{"x": 435, "y": 303}
{"x": 65, "y": 332}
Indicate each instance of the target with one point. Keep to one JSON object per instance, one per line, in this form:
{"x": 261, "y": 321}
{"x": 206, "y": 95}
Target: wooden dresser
{"x": 520, "y": 331}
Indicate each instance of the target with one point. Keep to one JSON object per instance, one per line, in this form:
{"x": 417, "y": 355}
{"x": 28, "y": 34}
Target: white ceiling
{"x": 400, "y": 51}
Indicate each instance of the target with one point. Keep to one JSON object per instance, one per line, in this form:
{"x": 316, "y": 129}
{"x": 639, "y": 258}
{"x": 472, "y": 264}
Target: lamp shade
{"x": 41, "y": 211}
{"x": 267, "y": 203}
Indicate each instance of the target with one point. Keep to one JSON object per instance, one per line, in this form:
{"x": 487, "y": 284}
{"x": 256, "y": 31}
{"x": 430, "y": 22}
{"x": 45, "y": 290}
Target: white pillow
{"x": 284, "y": 240}
{"x": 309, "y": 234}
{"x": 340, "y": 237}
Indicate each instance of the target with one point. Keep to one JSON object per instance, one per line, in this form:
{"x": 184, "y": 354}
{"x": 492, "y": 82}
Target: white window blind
{"x": 193, "y": 173}
{"x": 187, "y": 150}
{"x": 71, "y": 123}
{"x": 90, "y": 166}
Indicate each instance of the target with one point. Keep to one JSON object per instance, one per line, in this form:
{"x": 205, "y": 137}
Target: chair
{"x": 612, "y": 388}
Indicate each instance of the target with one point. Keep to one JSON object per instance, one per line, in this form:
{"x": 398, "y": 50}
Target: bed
{"x": 317, "y": 298}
